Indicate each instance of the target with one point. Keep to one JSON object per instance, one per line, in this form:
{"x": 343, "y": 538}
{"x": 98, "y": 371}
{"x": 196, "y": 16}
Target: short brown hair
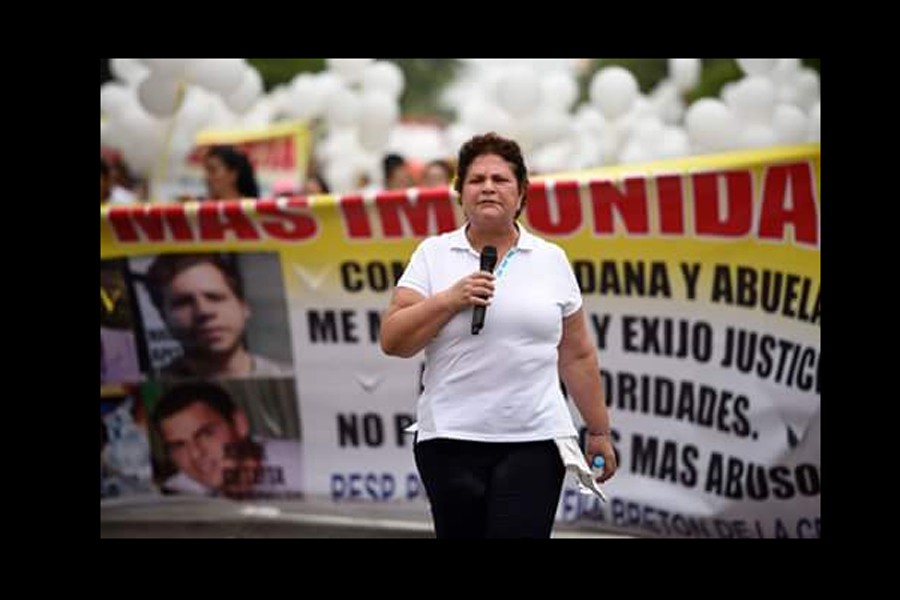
{"x": 491, "y": 143}
{"x": 166, "y": 266}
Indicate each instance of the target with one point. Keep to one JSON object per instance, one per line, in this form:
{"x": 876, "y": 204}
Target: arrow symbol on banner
{"x": 312, "y": 279}
{"x": 368, "y": 382}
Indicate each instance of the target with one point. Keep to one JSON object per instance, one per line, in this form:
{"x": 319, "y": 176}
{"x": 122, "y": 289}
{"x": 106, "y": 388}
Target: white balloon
{"x": 587, "y": 151}
{"x": 614, "y": 139}
{"x": 242, "y": 98}
{"x": 802, "y": 90}
{"x": 785, "y": 70}
{"x": 220, "y": 115}
{"x": 559, "y": 90}
{"x": 756, "y": 66}
{"x": 673, "y": 144}
{"x": 710, "y": 125}
{"x": 549, "y": 125}
{"x": 142, "y": 138}
{"x": 552, "y": 158}
{"x": 521, "y": 130}
{"x": 482, "y": 116}
{"x": 590, "y": 121}
{"x": 374, "y": 136}
{"x": 111, "y": 134}
{"x": 342, "y": 108}
{"x": 666, "y": 102}
{"x": 642, "y": 107}
{"x": 181, "y": 144}
{"x": 752, "y": 100}
{"x": 815, "y": 123}
{"x": 328, "y": 83}
{"x": 458, "y": 134}
{"x": 220, "y": 75}
{"x": 278, "y": 101}
{"x": 757, "y": 135}
{"x": 338, "y": 143}
{"x": 129, "y": 70}
{"x": 173, "y": 68}
{"x": 648, "y": 131}
{"x": 259, "y": 114}
{"x": 378, "y": 109}
{"x": 791, "y": 124}
{"x": 727, "y": 92}
{"x": 684, "y": 73}
{"x": 158, "y": 95}
{"x": 634, "y": 152}
{"x": 384, "y": 76}
{"x": 613, "y": 90}
{"x": 304, "y": 99}
{"x": 421, "y": 141}
{"x": 349, "y": 69}
{"x": 519, "y": 91}
{"x": 115, "y": 97}
{"x": 341, "y": 177}
{"x": 808, "y": 88}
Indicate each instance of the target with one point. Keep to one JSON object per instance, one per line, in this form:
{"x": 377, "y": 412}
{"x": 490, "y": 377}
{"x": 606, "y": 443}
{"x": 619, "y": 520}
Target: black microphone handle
{"x": 477, "y": 319}
{"x": 488, "y": 262}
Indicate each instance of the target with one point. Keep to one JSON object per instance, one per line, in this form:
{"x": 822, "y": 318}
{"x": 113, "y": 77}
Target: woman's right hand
{"x": 474, "y": 289}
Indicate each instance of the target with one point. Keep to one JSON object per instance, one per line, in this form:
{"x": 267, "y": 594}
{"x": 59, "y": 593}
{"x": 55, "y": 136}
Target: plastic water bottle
{"x": 597, "y": 465}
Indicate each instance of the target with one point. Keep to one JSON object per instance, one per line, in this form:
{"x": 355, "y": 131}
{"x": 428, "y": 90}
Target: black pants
{"x": 491, "y": 490}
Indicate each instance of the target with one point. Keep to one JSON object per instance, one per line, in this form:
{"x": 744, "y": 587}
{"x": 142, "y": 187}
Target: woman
{"x": 229, "y": 174}
{"x": 437, "y": 173}
{"x": 492, "y": 408}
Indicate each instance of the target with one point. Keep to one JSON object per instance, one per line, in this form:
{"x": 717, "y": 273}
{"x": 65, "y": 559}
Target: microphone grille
{"x": 488, "y": 258}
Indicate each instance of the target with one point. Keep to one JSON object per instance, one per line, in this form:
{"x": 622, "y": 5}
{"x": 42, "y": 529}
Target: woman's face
{"x": 490, "y": 192}
{"x": 221, "y": 182}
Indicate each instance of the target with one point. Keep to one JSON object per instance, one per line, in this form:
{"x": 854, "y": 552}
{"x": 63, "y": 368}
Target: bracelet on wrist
{"x": 599, "y": 433}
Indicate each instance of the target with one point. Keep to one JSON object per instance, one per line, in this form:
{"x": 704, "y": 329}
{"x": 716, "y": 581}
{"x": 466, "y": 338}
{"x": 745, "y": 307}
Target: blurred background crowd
{"x": 396, "y": 123}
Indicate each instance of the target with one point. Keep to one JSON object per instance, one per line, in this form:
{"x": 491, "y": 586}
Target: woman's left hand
{"x": 601, "y": 445}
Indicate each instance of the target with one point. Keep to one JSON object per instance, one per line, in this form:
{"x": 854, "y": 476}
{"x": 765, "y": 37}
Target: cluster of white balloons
{"x": 158, "y": 105}
{"x": 152, "y": 99}
{"x": 356, "y": 103}
{"x": 776, "y": 102}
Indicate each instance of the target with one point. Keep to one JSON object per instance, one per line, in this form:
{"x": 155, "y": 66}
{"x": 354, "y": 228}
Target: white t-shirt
{"x": 501, "y": 385}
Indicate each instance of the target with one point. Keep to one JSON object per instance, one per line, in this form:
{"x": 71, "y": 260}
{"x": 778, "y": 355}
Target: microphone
{"x": 488, "y": 262}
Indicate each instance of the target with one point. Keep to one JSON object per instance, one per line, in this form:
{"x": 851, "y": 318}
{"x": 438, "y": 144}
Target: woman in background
{"x": 229, "y": 174}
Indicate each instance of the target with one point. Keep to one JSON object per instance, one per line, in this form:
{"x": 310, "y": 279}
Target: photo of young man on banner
{"x": 214, "y": 315}
{"x": 238, "y": 439}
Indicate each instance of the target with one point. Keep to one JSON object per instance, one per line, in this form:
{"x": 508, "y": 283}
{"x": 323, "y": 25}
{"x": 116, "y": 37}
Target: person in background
{"x": 121, "y": 175}
{"x": 314, "y": 186}
{"x": 437, "y": 173}
{"x": 110, "y": 193}
{"x": 229, "y": 174}
{"x": 492, "y": 420}
{"x": 207, "y": 437}
{"x": 201, "y": 299}
{"x": 397, "y": 175}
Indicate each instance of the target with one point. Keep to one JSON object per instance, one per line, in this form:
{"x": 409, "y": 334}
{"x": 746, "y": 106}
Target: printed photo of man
{"x": 201, "y": 299}
{"x": 208, "y": 439}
